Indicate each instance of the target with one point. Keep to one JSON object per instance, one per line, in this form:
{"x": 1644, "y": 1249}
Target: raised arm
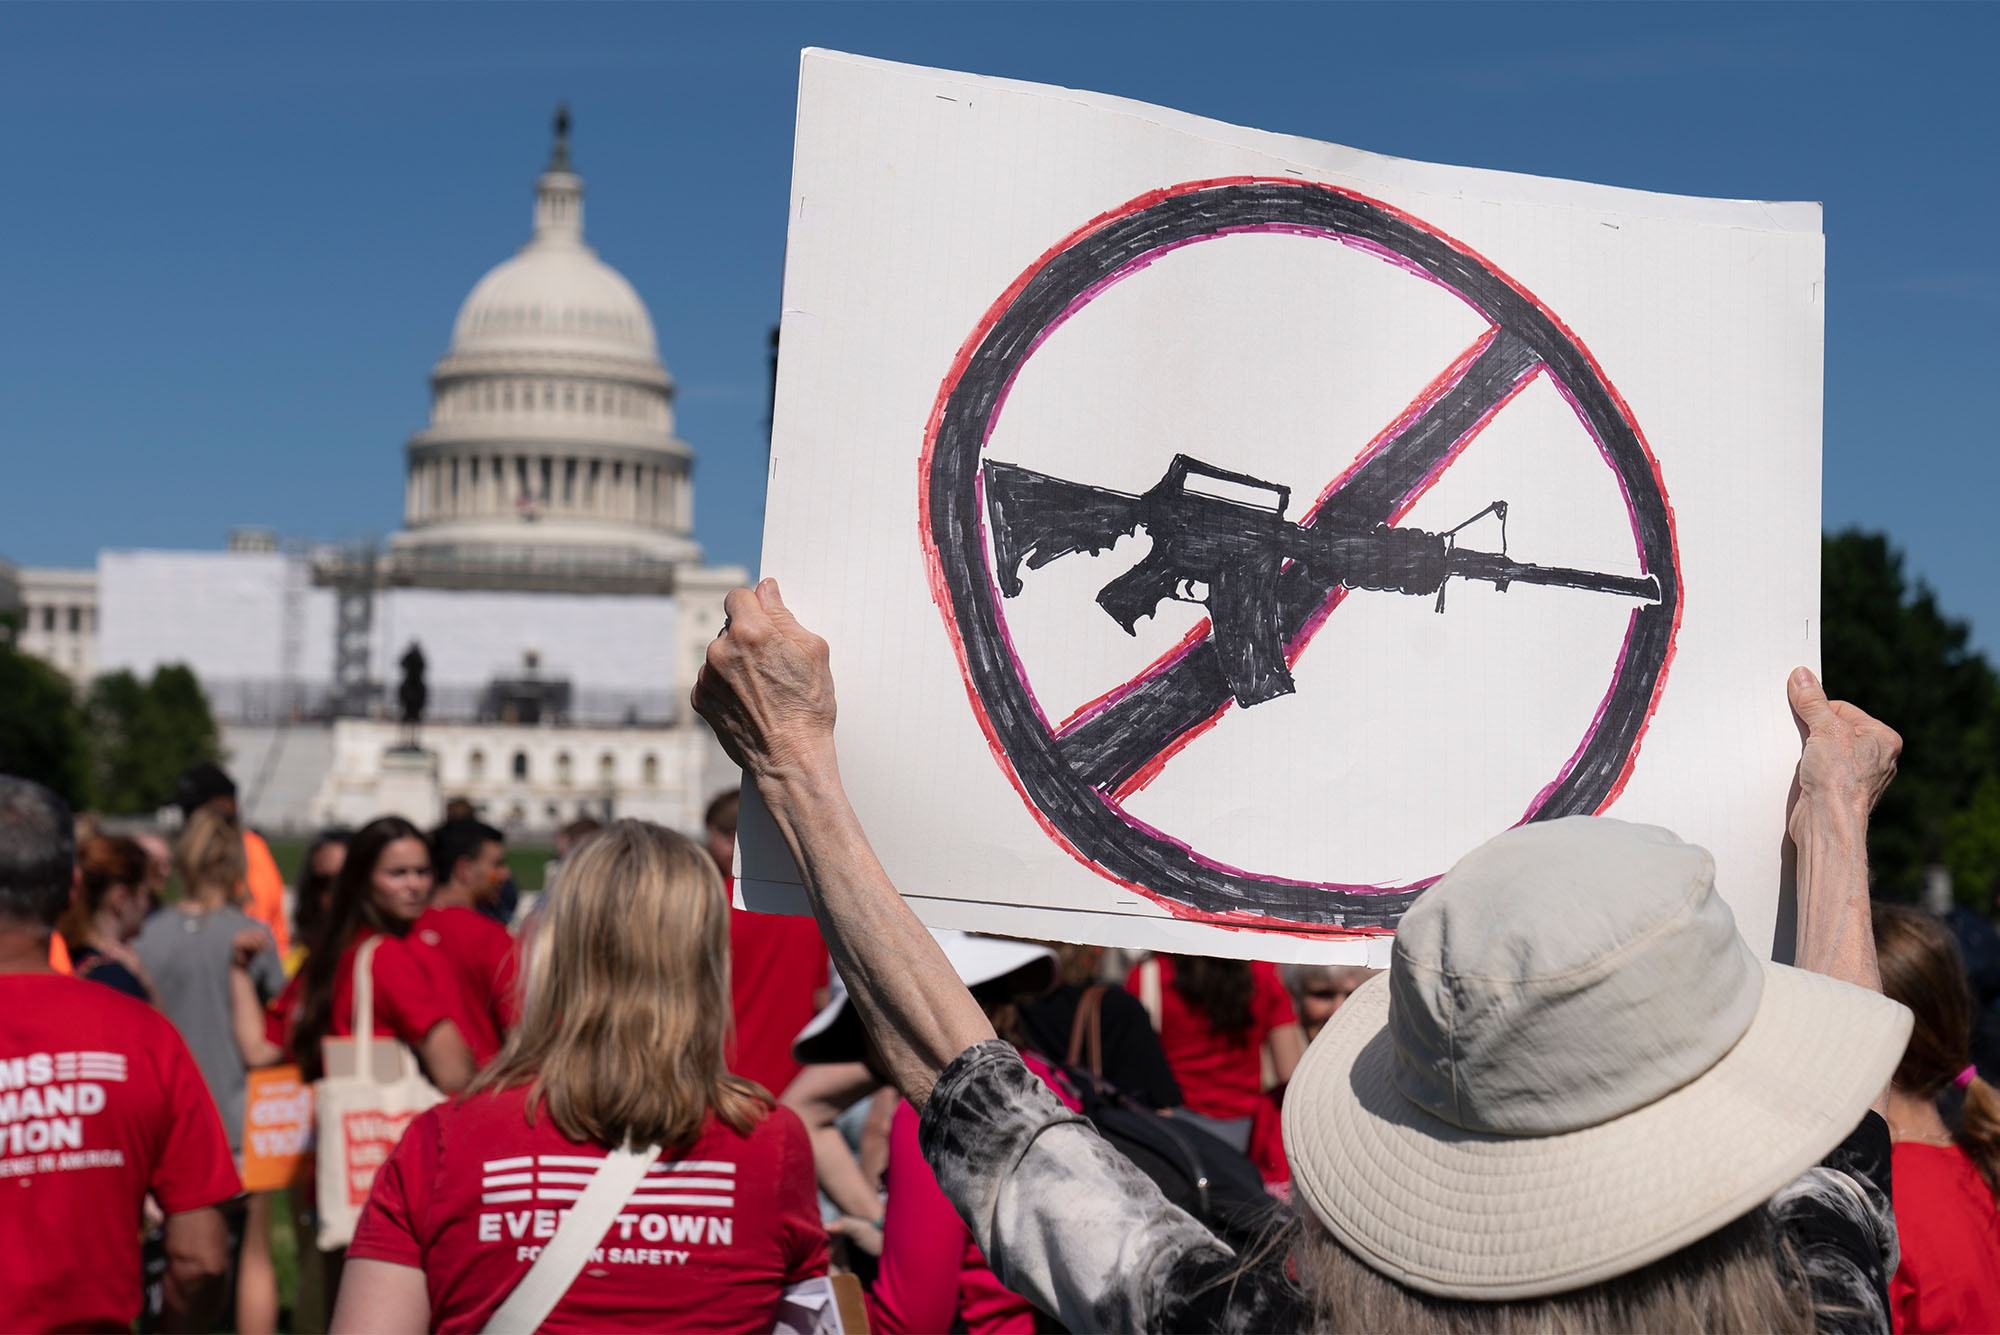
{"x": 768, "y": 693}
{"x": 1848, "y": 760}
{"x": 1064, "y": 1220}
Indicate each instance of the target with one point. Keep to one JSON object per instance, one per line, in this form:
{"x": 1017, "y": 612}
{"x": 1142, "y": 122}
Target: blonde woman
{"x": 188, "y": 951}
{"x": 188, "y": 948}
{"x": 621, "y": 1041}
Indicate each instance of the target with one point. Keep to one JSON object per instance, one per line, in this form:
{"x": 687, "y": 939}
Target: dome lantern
{"x": 559, "y": 192}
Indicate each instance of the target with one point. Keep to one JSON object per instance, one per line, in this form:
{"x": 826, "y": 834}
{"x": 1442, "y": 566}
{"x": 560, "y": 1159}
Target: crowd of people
{"x": 1575, "y": 1099}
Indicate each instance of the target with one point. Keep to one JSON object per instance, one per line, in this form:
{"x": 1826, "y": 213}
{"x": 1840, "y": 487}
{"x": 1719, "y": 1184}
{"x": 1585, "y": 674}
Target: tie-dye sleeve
{"x": 1840, "y": 1227}
{"x": 1064, "y": 1219}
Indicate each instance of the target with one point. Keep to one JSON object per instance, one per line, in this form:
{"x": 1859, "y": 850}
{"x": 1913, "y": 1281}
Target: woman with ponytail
{"x": 1945, "y": 1177}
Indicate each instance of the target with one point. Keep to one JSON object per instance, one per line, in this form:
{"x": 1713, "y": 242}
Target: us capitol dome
{"x": 550, "y": 459}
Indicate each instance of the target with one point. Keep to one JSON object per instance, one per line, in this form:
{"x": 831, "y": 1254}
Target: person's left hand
{"x": 247, "y": 944}
{"x": 767, "y": 689}
{"x": 1849, "y": 756}
{"x": 865, "y": 1234}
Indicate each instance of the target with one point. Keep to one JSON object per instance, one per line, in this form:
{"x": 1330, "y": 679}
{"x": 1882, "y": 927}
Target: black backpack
{"x": 1213, "y": 1181}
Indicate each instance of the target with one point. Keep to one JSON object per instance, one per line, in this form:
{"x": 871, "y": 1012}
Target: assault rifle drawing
{"x": 1221, "y": 539}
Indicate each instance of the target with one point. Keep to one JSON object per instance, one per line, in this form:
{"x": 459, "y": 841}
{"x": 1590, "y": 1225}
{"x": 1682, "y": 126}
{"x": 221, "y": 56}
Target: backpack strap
{"x": 1086, "y": 1031}
{"x": 582, "y": 1229}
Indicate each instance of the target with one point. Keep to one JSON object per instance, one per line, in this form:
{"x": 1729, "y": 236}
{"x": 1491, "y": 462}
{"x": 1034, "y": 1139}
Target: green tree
{"x": 1887, "y": 647}
{"x": 147, "y": 734}
{"x": 1972, "y": 845}
{"x": 42, "y": 734}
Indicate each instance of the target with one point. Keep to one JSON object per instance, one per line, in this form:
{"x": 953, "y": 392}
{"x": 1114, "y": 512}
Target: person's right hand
{"x": 767, "y": 689}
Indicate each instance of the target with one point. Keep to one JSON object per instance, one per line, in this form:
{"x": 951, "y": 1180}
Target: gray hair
{"x": 37, "y": 853}
{"x": 1298, "y": 977}
{"x": 1744, "y": 1276}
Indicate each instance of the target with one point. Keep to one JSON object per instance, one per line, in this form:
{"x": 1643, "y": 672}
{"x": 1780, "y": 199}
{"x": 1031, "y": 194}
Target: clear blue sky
{"x": 235, "y": 236}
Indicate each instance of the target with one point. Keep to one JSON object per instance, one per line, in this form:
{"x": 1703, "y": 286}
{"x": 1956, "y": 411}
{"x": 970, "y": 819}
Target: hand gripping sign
{"x": 1268, "y": 580}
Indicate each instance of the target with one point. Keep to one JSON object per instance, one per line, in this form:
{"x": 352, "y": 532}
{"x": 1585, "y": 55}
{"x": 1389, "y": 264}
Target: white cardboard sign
{"x": 1218, "y": 534}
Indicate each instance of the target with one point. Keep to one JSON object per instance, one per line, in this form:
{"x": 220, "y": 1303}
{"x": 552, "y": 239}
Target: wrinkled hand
{"x": 767, "y": 689}
{"x": 1849, "y": 757}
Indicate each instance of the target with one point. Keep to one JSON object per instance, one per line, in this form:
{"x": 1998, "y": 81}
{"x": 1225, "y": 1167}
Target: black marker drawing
{"x": 1221, "y": 539}
{"x": 1075, "y": 773}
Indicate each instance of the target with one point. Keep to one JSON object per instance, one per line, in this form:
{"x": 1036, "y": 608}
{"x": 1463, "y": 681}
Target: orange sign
{"x": 277, "y": 1129}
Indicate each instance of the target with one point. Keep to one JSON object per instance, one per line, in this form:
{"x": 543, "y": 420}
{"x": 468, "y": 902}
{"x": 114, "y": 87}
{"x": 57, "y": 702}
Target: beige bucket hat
{"x": 1574, "y": 1067}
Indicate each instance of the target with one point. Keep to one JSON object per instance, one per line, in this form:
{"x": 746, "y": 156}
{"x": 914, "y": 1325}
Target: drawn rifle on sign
{"x": 1221, "y": 538}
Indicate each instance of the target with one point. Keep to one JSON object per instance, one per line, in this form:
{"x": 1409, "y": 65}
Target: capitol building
{"x": 546, "y": 571}
{"x": 551, "y": 450}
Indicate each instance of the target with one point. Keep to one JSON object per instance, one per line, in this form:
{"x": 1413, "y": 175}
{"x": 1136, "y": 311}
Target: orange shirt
{"x": 266, "y": 885}
{"x": 59, "y": 954}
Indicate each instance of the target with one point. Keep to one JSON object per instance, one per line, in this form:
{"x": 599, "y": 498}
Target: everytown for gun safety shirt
{"x": 710, "y": 1240}
{"x": 100, "y": 1103}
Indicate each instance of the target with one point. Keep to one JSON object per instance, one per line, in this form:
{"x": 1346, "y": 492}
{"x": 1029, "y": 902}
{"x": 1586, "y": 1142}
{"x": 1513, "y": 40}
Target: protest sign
{"x": 1218, "y": 533}
{"x": 277, "y": 1128}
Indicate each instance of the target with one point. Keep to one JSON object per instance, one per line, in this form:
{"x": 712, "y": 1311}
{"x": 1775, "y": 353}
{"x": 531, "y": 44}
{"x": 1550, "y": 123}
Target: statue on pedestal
{"x": 413, "y": 695}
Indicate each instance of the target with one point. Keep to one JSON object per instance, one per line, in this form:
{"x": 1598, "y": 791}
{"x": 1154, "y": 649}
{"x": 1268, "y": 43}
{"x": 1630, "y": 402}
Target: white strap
{"x": 582, "y": 1229}
{"x": 364, "y": 1007}
{"x": 1149, "y": 990}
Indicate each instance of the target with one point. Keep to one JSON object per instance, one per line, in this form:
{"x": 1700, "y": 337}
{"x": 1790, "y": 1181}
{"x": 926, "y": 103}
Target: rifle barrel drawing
{"x": 1226, "y": 552}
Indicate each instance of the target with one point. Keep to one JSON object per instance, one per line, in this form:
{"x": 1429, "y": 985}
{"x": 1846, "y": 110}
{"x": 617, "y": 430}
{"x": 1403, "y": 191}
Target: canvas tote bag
{"x": 370, "y": 1091}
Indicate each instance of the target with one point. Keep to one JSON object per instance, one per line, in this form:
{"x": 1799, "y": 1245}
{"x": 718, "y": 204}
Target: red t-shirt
{"x": 100, "y": 1103}
{"x": 710, "y": 1241}
{"x": 473, "y": 959}
{"x": 408, "y": 1001}
{"x": 1949, "y": 1228}
{"x": 776, "y": 964}
{"x": 1219, "y": 1076}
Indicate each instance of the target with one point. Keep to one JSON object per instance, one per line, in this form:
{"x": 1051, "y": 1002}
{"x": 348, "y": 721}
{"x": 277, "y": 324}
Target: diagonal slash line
{"x": 1140, "y": 726}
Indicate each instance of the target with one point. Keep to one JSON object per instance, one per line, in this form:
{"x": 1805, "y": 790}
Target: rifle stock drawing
{"x": 1221, "y": 539}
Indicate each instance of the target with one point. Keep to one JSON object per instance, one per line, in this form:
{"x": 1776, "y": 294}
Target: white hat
{"x": 834, "y": 1035}
{"x": 1574, "y": 1067}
